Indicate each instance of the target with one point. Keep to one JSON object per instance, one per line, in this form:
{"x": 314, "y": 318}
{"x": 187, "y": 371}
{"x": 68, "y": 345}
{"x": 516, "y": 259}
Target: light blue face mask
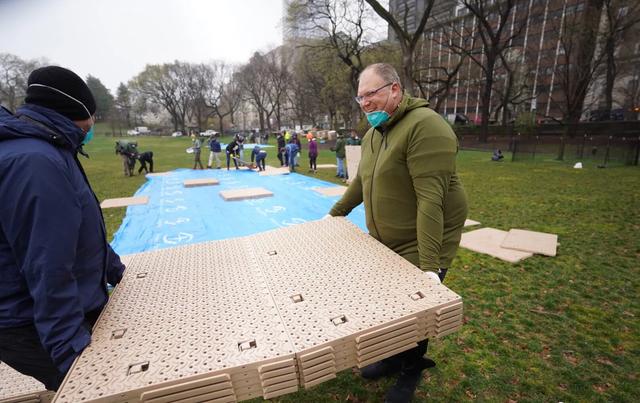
{"x": 88, "y": 136}
{"x": 377, "y": 118}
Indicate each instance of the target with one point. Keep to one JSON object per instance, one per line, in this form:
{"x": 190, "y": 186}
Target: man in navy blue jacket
{"x": 55, "y": 261}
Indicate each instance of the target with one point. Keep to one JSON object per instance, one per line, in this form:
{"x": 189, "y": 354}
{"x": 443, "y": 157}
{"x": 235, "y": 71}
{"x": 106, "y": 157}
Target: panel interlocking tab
{"x": 237, "y": 319}
{"x": 124, "y": 202}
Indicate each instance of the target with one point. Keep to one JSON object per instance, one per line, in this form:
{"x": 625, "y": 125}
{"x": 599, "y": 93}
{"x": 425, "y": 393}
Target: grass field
{"x": 547, "y": 329}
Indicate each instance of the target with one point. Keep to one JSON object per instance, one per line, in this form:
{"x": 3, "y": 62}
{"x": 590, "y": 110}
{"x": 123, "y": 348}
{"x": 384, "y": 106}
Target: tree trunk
{"x": 610, "y": 75}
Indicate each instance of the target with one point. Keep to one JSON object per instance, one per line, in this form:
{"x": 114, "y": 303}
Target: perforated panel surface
{"x": 180, "y": 314}
{"x": 16, "y": 387}
{"x": 252, "y": 316}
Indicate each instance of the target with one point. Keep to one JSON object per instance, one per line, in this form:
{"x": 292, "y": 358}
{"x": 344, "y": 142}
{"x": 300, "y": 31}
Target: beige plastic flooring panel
{"x": 244, "y": 194}
{"x": 470, "y": 223}
{"x": 124, "y": 202}
{"x": 242, "y": 318}
{"x": 190, "y": 183}
{"x": 349, "y": 290}
{"x": 270, "y": 171}
{"x": 353, "y": 155}
{"x": 154, "y": 174}
{"x": 488, "y": 241}
{"x": 331, "y": 191}
{"x": 531, "y": 241}
{"x": 18, "y": 388}
{"x": 186, "y": 320}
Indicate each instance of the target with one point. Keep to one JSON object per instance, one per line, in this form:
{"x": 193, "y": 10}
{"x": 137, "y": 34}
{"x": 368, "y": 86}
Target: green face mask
{"x": 377, "y": 118}
{"x": 88, "y": 136}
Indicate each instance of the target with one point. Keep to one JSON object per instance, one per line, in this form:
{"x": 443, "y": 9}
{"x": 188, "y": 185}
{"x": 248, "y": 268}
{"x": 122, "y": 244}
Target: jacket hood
{"x": 407, "y": 104}
{"x": 33, "y": 121}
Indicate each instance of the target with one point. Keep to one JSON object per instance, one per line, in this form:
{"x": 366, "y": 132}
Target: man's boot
{"x": 387, "y": 367}
{"x": 413, "y": 363}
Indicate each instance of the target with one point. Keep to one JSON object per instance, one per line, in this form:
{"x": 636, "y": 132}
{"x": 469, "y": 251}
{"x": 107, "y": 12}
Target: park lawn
{"x": 546, "y": 329}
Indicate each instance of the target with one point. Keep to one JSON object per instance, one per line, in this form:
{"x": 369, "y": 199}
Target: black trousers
{"x": 20, "y": 348}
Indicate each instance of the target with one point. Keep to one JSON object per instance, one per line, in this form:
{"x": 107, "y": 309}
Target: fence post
{"x": 561, "y": 151}
{"x": 584, "y": 141}
{"x": 637, "y": 152}
{"x": 535, "y": 147}
{"x": 606, "y": 153}
{"x": 514, "y": 148}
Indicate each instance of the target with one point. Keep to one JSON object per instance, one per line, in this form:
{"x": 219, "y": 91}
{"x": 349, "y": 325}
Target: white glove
{"x": 433, "y": 276}
{"x": 326, "y": 216}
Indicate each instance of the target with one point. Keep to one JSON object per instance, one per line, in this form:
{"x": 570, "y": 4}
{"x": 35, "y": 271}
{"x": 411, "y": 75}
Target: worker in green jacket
{"x": 414, "y": 201}
{"x": 340, "y": 151}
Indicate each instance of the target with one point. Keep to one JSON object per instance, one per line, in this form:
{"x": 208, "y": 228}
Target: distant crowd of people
{"x": 289, "y": 148}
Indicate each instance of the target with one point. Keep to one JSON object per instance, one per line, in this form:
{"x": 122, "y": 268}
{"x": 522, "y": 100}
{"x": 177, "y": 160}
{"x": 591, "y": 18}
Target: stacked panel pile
{"x": 347, "y": 300}
{"x": 186, "y": 322}
{"x": 18, "y": 388}
{"x": 257, "y": 316}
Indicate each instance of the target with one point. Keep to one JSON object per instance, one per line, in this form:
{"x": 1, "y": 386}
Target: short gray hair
{"x": 386, "y": 71}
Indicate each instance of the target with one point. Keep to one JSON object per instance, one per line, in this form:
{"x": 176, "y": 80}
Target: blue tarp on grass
{"x": 176, "y": 215}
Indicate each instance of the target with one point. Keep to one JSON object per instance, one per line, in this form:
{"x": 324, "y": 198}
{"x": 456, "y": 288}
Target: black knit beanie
{"x": 61, "y": 90}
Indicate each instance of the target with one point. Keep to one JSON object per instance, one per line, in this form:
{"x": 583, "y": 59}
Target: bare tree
{"x": 492, "y": 37}
{"x": 253, "y": 80}
{"x": 339, "y": 25}
{"x": 14, "y": 72}
{"x": 167, "y": 86}
{"x": 577, "y": 59}
{"x": 408, "y": 40}
{"x": 620, "y": 17}
{"x": 278, "y": 78}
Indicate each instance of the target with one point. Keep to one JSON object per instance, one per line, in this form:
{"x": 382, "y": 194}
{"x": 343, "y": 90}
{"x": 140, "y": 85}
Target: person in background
{"x": 197, "y": 146}
{"x": 233, "y": 151}
{"x": 240, "y": 140}
{"x": 281, "y": 149}
{"x": 214, "y": 151}
{"x": 296, "y": 140}
{"x": 497, "y": 155}
{"x": 55, "y": 260}
{"x": 353, "y": 140}
{"x": 340, "y": 155}
{"x": 313, "y": 155}
{"x": 259, "y": 155}
{"x": 413, "y": 199}
{"x": 291, "y": 151}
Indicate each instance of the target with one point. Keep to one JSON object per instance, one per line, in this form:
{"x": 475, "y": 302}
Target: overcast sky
{"x": 114, "y": 39}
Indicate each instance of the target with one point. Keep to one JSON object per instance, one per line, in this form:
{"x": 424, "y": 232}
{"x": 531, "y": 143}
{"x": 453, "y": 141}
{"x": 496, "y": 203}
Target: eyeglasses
{"x": 360, "y": 99}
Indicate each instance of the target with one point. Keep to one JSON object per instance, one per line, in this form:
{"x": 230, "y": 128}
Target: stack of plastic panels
{"x": 18, "y": 388}
{"x": 346, "y": 300}
{"x": 257, "y": 316}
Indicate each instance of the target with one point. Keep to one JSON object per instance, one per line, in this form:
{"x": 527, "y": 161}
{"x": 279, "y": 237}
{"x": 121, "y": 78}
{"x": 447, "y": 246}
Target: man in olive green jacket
{"x": 414, "y": 202}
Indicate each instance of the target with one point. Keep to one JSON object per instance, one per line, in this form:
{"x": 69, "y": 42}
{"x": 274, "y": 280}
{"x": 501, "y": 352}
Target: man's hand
{"x": 433, "y": 276}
